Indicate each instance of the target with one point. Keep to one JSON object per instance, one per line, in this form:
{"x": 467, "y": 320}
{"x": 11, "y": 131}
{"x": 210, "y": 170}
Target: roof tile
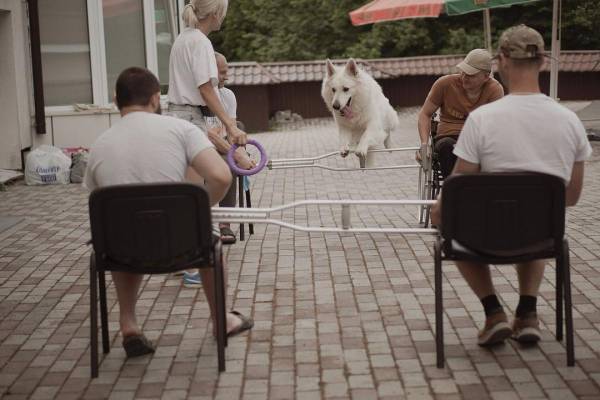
{"x": 253, "y": 73}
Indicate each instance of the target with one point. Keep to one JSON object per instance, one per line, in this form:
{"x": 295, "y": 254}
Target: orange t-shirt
{"x": 448, "y": 93}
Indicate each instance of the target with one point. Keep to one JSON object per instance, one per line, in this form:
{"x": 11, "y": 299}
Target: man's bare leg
{"x": 208, "y": 281}
{"x": 127, "y": 286}
{"x": 530, "y": 277}
{"x": 478, "y": 277}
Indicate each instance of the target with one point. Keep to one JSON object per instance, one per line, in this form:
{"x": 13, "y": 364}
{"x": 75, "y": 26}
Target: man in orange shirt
{"x": 456, "y": 96}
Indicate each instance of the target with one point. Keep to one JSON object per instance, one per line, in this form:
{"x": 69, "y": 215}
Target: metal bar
{"x": 408, "y": 166}
{"x": 310, "y": 229}
{"x": 261, "y": 215}
{"x": 263, "y": 212}
{"x": 334, "y": 153}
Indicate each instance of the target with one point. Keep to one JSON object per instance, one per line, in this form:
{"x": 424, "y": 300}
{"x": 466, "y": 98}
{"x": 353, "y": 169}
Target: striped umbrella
{"x": 391, "y": 10}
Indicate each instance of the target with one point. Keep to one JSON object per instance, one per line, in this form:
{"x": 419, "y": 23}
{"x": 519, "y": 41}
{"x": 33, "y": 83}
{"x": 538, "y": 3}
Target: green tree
{"x": 266, "y": 30}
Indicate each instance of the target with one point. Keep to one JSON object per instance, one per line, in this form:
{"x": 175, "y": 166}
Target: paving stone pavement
{"x": 337, "y": 316}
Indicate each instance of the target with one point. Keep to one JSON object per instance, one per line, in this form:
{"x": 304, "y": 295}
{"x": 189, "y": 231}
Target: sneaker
{"x": 191, "y": 279}
{"x": 527, "y": 329}
{"x": 496, "y": 330}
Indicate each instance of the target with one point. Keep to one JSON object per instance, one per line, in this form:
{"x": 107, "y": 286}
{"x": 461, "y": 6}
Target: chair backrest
{"x": 150, "y": 228}
{"x": 503, "y": 214}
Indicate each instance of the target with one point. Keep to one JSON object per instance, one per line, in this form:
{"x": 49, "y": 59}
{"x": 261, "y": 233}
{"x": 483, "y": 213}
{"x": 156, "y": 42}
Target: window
{"x": 165, "y": 16}
{"x": 86, "y": 44}
{"x": 65, "y": 52}
{"x": 124, "y": 38}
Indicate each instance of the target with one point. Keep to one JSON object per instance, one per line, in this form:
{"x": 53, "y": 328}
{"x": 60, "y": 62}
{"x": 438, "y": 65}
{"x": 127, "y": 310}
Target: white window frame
{"x": 95, "y": 19}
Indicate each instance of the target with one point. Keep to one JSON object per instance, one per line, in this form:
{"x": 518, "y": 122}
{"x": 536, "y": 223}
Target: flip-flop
{"x": 247, "y": 323}
{"x": 137, "y": 345}
{"x": 227, "y": 235}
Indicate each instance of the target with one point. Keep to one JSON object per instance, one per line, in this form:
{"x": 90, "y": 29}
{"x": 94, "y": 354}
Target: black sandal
{"x": 137, "y": 345}
{"x": 247, "y": 323}
{"x": 227, "y": 235}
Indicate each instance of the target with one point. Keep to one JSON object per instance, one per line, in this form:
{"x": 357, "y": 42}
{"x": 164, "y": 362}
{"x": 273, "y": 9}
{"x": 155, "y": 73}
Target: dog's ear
{"x": 330, "y": 68}
{"x": 351, "y": 67}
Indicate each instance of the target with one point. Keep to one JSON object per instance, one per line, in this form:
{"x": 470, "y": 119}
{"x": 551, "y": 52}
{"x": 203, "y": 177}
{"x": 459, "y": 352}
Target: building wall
{"x": 253, "y": 106}
{"x": 303, "y": 98}
{"x": 256, "y": 104}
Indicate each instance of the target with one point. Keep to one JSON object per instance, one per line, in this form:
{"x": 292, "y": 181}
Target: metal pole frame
{"x": 263, "y": 215}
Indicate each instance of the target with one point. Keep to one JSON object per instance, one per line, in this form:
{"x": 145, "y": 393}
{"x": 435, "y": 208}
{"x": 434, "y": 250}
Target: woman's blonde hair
{"x": 197, "y": 10}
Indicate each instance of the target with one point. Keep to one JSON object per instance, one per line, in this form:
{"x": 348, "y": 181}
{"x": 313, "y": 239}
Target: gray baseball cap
{"x": 521, "y": 42}
{"x": 476, "y": 61}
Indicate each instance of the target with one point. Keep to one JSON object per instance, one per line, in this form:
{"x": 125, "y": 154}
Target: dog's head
{"x": 340, "y": 87}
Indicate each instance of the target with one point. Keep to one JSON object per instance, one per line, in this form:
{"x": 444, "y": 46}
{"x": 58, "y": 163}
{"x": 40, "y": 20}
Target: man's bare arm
{"x": 424, "y": 122}
{"x": 217, "y": 177}
{"x": 573, "y": 191}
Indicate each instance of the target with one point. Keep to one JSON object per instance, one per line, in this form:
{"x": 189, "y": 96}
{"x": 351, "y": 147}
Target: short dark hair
{"x": 135, "y": 87}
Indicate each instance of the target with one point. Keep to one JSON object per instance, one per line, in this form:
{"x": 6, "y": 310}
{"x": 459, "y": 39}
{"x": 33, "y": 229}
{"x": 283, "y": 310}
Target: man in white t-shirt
{"x": 524, "y": 131}
{"x": 145, "y": 147}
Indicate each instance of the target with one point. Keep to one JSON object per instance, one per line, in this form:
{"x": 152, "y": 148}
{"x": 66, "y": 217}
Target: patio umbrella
{"x": 391, "y": 10}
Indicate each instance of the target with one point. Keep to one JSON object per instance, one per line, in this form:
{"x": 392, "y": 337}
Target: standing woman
{"x": 193, "y": 74}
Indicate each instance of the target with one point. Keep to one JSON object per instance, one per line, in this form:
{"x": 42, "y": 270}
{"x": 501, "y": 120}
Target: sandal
{"x": 137, "y": 345}
{"x": 247, "y": 323}
{"x": 227, "y": 235}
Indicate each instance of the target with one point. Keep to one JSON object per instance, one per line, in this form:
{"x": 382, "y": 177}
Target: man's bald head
{"x": 221, "y": 68}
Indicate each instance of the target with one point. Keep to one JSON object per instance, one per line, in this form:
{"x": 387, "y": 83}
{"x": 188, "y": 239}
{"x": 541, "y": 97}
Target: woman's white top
{"x": 192, "y": 64}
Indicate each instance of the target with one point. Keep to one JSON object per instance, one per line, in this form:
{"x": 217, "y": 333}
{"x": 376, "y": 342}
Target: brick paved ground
{"x": 337, "y": 316}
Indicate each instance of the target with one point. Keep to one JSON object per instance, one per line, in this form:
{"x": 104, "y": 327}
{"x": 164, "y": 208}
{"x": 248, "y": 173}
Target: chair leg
{"x": 559, "y": 295}
{"x": 93, "y": 316}
{"x": 241, "y": 202}
{"x": 103, "y": 312}
{"x": 249, "y": 205}
{"x": 439, "y": 313}
{"x": 220, "y": 306}
{"x": 568, "y": 305}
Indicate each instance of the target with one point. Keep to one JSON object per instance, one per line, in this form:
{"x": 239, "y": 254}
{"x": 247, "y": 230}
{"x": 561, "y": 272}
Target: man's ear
{"x": 351, "y": 67}
{"x": 155, "y": 100}
{"x": 330, "y": 68}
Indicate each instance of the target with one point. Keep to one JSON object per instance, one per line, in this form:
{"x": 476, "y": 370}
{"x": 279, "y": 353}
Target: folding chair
{"x": 505, "y": 219}
{"x": 151, "y": 229}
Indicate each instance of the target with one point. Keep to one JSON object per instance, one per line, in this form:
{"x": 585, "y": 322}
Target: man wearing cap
{"x": 524, "y": 131}
{"x": 456, "y": 96}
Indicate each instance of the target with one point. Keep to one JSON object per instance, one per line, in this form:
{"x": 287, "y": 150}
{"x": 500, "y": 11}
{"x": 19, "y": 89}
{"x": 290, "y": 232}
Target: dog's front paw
{"x": 361, "y": 151}
{"x": 344, "y": 151}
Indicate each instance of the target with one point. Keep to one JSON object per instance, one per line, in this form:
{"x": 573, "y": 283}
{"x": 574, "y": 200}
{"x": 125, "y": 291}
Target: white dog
{"x": 364, "y": 116}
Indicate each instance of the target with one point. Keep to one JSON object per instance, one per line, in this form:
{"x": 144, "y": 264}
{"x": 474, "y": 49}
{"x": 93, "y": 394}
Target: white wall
{"x": 15, "y": 126}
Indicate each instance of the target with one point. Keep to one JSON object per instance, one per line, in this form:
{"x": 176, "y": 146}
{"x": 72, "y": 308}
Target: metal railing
{"x": 263, "y": 215}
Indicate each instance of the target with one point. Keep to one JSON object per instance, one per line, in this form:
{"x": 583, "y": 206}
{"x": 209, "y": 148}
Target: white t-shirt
{"x": 524, "y": 133}
{"x": 228, "y": 101}
{"x": 192, "y": 63}
{"x": 144, "y": 148}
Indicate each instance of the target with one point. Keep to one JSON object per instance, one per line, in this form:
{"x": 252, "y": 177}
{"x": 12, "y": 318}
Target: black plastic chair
{"x": 151, "y": 229}
{"x": 505, "y": 219}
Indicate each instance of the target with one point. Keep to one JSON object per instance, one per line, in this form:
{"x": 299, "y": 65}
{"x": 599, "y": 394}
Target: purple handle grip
{"x": 246, "y": 172}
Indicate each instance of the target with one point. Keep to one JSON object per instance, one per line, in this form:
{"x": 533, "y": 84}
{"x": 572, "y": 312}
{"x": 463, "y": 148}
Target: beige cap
{"x": 476, "y": 61}
{"x": 521, "y": 42}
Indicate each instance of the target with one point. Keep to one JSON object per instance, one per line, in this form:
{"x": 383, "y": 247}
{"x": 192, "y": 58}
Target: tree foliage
{"x": 268, "y": 30}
